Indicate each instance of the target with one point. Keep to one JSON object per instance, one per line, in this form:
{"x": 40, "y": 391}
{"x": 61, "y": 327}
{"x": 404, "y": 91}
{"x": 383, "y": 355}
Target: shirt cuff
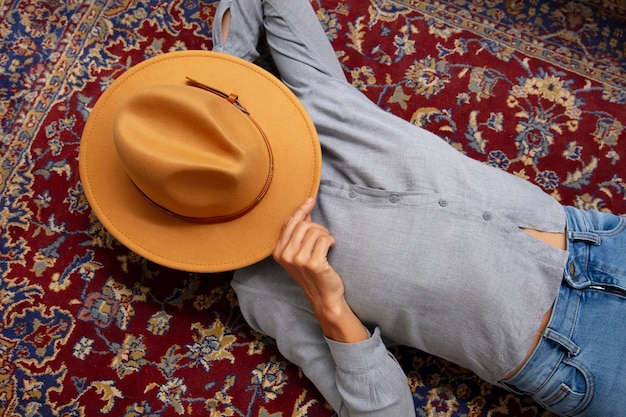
{"x": 358, "y": 357}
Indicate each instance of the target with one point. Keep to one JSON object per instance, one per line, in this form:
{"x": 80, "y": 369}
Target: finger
{"x": 300, "y": 242}
{"x": 323, "y": 245}
{"x": 302, "y": 213}
{"x": 314, "y": 245}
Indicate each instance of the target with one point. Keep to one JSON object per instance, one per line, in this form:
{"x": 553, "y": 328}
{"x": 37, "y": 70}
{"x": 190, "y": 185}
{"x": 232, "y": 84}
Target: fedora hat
{"x": 195, "y": 159}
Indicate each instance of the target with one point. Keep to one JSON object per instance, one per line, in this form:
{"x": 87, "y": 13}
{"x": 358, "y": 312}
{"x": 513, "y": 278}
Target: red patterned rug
{"x": 89, "y": 328}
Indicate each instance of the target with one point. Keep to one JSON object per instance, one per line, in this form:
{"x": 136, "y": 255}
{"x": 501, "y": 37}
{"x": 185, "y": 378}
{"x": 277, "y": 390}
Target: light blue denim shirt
{"x": 429, "y": 244}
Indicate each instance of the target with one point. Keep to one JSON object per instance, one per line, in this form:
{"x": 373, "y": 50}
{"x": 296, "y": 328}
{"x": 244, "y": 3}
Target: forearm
{"x": 355, "y": 371}
{"x": 302, "y": 251}
{"x": 357, "y": 379}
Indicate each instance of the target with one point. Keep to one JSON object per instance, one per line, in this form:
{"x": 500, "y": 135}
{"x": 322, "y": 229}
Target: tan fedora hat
{"x": 195, "y": 159}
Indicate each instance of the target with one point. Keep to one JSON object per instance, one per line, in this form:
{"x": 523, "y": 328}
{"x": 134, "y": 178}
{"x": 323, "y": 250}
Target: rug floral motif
{"x": 89, "y": 328}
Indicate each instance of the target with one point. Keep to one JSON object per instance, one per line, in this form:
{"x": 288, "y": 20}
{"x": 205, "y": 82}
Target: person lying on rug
{"x": 404, "y": 240}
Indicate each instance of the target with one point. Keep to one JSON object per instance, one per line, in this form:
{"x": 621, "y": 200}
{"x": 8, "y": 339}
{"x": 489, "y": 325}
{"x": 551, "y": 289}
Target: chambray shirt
{"x": 429, "y": 244}
{"x": 429, "y": 248}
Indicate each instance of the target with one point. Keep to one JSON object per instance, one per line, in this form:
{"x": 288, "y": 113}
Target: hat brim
{"x": 183, "y": 245}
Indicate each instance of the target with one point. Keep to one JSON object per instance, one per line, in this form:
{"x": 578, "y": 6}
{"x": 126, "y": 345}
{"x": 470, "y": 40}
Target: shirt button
{"x": 394, "y": 198}
{"x": 487, "y": 216}
{"x": 443, "y": 203}
{"x": 352, "y": 194}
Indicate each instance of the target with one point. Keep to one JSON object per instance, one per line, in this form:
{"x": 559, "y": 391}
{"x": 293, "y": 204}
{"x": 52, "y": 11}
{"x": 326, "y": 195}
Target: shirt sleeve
{"x": 358, "y": 379}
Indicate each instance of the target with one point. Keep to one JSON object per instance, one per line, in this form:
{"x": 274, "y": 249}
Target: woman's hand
{"x": 302, "y": 250}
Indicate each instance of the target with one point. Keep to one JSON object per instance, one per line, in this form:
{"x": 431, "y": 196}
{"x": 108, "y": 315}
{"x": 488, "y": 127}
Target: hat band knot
{"x": 231, "y": 98}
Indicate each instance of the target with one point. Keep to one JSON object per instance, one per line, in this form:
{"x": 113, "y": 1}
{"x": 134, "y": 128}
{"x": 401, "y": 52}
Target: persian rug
{"x": 536, "y": 88}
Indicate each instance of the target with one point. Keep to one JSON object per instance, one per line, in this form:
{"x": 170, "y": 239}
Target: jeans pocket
{"x": 569, "y": 390}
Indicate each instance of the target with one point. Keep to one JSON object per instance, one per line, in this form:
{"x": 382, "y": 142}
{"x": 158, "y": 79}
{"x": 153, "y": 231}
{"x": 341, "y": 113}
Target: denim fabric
{"x": 579, "y": 367}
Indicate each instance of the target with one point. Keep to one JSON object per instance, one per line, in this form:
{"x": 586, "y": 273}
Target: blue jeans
{"x": 579, "y": 366}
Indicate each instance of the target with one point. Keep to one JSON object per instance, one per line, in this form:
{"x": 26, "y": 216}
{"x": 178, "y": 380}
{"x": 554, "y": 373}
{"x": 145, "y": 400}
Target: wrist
{"x": 339, "y": 323}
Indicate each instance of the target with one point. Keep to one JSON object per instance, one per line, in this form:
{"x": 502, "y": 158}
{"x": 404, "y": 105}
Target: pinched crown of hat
{"x": 198, "y": 175}
{"x": 196, "y": 153}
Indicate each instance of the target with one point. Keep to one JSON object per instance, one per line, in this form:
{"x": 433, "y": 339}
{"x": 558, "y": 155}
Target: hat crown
{"x": 192, "y": 153}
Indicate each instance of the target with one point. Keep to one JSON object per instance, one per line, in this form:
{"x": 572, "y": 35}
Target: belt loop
{"x": 572, "y": 348}
{"x": 588, "y": 237}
